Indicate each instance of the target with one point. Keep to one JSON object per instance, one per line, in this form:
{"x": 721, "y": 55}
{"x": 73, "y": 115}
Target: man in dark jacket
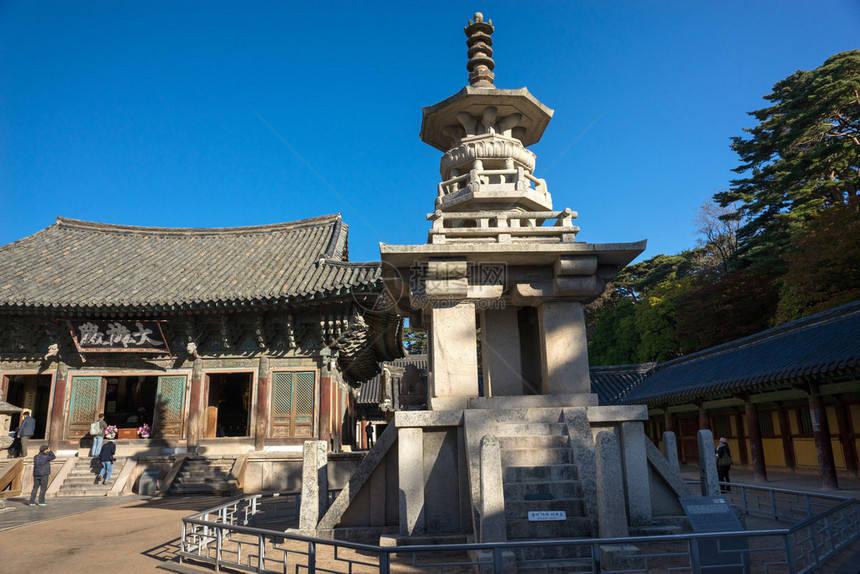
{"x": 25, "y": 430}
{"x": 41, "y": 474}
{"x": 106, "y": 458}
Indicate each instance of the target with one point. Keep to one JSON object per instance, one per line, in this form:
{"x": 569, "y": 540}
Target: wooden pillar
{"x": 843, "y": 417}
{"x": 196, "y": 411}
{"x": 823, "y": 448}
{"x": 787, "y": 441}
{"x": 743, "y": 455}
{"x": 264, "y": 386}
{"x": 326, "y": 395}
{"x": 704, "y": 419}
{"x": 670, "y": 421}
{"x": 58, "y": 410}
{"x": 756, "y": 446}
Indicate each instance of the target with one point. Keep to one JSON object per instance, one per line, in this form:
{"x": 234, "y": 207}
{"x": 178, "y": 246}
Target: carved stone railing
{"x": 503, "y": 226}
{"x": 512, "y": 179}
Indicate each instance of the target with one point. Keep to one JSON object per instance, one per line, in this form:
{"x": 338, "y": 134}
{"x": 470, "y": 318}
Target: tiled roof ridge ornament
{"x": 480, "y": 64}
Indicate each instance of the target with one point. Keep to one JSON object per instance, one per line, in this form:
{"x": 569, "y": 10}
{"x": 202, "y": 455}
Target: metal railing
{"x": 249, "y": 534}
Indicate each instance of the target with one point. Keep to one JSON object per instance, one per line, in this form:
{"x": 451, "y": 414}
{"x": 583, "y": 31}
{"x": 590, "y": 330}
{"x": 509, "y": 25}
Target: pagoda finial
{"x": 480, "y": 64}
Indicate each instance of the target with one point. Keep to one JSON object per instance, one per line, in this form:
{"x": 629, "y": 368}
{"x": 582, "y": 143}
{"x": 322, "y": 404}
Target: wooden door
{"x": 85, "y": 404}
{"x": 292, "y": 410}
{"x": 169, "y": 418}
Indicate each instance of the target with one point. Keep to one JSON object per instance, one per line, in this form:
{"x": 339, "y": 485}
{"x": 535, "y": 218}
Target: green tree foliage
{"x": 823, "y": 266}
{"x": 415, "y": 341}
{"x": 781, "y": 243}
{"x": 802, "y": 157}
{"x": 738, "y": 305}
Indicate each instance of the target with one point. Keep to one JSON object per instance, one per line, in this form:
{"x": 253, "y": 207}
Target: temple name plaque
{"x": 546, "y": 515}
{"x": 111, "y": 336}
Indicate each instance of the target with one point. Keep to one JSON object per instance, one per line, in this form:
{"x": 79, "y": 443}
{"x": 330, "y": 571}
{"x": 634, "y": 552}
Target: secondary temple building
{"x": 233, "y": 341}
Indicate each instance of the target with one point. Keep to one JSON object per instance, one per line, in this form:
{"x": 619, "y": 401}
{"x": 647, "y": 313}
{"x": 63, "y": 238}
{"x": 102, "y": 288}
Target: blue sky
{"x": 212, "y": 114}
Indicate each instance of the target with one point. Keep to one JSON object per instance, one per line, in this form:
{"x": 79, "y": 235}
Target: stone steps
{"x": 572, "y": 527}
{"x": 536, "y": 490}
{"x": 533, "y": 441}
{"x": 545, "y": 473}
{"x": 527, "y": 428}
{"x": 519, "y": 509}
{"x": 539, "y": 474}
{"x": 536, "y": 457}
{"x": 204, "y": 477}
{"x": 81, "y": 481}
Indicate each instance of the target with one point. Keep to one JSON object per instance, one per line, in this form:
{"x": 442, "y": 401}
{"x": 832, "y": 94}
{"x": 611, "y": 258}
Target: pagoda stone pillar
{"x": 454, "y": 362}
{"x": 563, "y": 348}
{"x": 500, "y": 352}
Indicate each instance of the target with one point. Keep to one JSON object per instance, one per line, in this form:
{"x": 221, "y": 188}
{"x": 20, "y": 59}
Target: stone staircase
{"x": 81, "y": 481}
{"x": 539, "y": 474}
{"x": 205, "y": 476}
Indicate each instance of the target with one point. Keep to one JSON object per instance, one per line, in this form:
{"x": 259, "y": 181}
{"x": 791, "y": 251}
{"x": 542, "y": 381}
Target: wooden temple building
{"x": 787, "y": 398}
{"x": 223, "y": 341}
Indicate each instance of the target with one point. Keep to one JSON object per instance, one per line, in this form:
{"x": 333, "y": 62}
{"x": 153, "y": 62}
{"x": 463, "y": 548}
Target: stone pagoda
{"x": 523, "y": 451}
{"x": 498, "y": 256}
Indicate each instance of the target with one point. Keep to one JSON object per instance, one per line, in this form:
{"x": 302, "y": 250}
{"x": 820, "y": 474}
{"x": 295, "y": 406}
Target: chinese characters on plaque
{"x": 99, "y": 336}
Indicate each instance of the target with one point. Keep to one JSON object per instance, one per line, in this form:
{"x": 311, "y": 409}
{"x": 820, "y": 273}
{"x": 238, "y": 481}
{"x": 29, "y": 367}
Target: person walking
{"x": 106, "y": 457}
{"x": 25, "y": 431}
{"x": 41, "y": 474}
{"x": 724, "y": 463}
{"x": 369, "y": 431}
{"x": 97, "y": 430}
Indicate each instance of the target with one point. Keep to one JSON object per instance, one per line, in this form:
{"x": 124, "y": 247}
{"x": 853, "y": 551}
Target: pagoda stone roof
{"x": 83, "y": 266}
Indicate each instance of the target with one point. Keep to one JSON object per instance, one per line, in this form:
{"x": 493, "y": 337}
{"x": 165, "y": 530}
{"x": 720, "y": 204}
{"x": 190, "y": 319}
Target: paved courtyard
{"x": 137, "y": 534}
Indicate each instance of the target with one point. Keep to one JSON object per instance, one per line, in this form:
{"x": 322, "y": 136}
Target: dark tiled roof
{"x": 369, "y": 393}
{"x": 612, "y": 383}
{"x": 78, "y": 265}
{"x": 816, "y": 347}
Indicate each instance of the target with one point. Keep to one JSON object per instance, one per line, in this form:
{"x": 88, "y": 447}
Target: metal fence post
{"x": 261, "y": 546}
{"x": 312, "y": 557}
{"x": 217, "y": 550}
{"x": 789, "y": 554}
{"x": 596, "y": 565}
{"x": 497, "y": 560}
{"x": 693, "y": 547}
{"x": 773, "y": 505}
{"x": 384, "y": 562}
{"x": 744, "y": 497}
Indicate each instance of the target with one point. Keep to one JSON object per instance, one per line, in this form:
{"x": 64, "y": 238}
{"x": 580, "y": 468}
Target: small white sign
{"x": 547, "y": 515}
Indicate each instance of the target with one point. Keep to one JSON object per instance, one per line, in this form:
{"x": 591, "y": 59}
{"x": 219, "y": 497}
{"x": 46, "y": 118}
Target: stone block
{"x": 582, "y": 444}
{"x": 636, "y": 473}
{"x": 617, "y": 413}
{"x": 501, "y": 352}
{"x": 563, "y": 352}
{"x": 575, "y": 265}
{"x": 314, "y": 484}
{"x": 610, "y": 486}
{"x": 492, "y": 492}
{"x": 410, "y": 457}
{"x": 670, "y": 450}
{"x": 707, "y": 464}
{"x": 455, "y": 357}
{"x": 447, "y": 288}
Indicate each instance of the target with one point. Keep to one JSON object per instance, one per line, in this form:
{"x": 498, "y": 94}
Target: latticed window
{"x": 293, "y": 395}
{"x": 765, "y": 423}
{"x": 805, "y": 421}
{"x": 722, "y": 427}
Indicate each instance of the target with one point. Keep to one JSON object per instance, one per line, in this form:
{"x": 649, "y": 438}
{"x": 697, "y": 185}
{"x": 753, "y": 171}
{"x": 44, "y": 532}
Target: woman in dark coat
{"x": 724, "y": 463}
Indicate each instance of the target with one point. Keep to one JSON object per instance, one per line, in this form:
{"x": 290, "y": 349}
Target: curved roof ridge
{"x": 337, "y": 262}
{"x": 773, "y": 332}
{"x": 117, "y": 228}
